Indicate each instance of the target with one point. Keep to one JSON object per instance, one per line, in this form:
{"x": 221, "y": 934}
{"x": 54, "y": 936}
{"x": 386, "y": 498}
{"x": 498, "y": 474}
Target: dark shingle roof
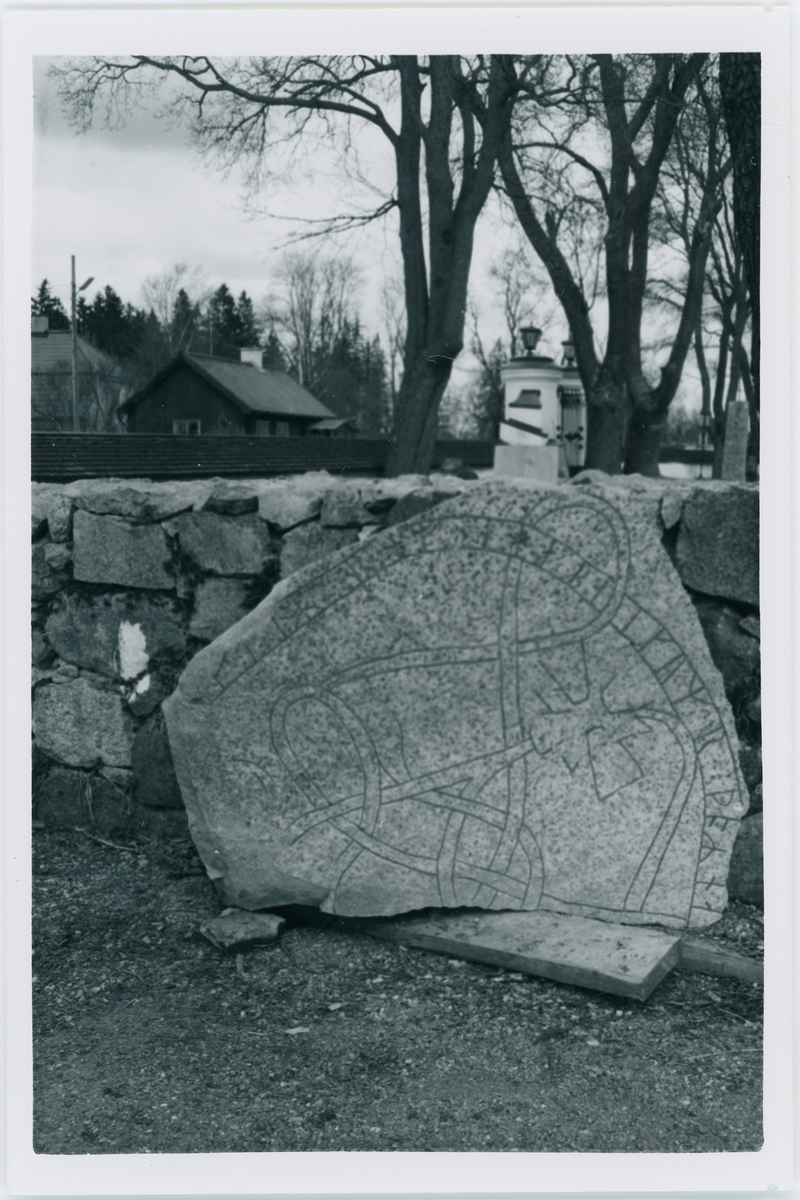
{"x": 269, "y": 392}
{"x": 58, "y": 457}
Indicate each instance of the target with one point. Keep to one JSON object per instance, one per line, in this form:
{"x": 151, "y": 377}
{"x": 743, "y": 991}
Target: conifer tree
{"x": 45, "y": 304}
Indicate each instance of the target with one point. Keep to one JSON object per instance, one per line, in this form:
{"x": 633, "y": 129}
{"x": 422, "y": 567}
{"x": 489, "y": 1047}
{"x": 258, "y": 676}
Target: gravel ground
{"x": 147, "y": 1039}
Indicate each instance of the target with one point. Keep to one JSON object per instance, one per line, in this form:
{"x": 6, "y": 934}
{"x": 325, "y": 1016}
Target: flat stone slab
{"x": 218, "y": 604}
{"x": 506, "y": 702}
{"x": 76, "y": 724}
{"x": 114, "y": 634}
{"x": 223, "y": 545}
{"x": 111, "y": 550}
{"x": 718, "y": 540}
{"x": 618, "y": 959}
{"x": 238, "y": 930}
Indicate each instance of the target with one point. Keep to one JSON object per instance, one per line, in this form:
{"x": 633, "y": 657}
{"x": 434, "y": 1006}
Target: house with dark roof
{"x": 198, "y": 394}
{"x": 101, "y": 383}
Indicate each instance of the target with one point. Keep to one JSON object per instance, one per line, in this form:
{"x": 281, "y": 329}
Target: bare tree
{"x": 316, "y": 297}
{"x": 520, "y": 292}
{"x": 726, "y": 311}
{"x": 740, "y": 86}
{"x": 393, "y": 319}
{"x": 607, "y": 123}
{"x": 177, "y": 296}
{"x": 443, "y": 118}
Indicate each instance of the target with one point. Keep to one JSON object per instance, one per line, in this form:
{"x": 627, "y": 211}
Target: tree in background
{"x": 591, "y": 136}
{"x": 183, "y": 329}
{"x": 273, "y": 357}
{"x": 45, "y": 304}
{"x": 131, "y": 336}
{"x": 733, "y": 313}
{"x": 350, "y": 379}
{"x": 315, "y": 304}
{"x": 393, "y": 319}
{"x": 740, "y": 87}
{"x": 725, "y": 317}
{"x": 442, "y": 119}
{"x": 176, "y": 297}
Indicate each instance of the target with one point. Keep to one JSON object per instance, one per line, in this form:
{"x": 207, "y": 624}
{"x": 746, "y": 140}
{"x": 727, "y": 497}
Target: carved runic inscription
{"x": 506, "y": 703}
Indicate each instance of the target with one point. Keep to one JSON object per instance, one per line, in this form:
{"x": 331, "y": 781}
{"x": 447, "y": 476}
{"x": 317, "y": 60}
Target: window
{"x": 263, "y": 428}
{"x": 528, "y": 398}
{"x": 281, "y": 429}
{"x": 185, "y": 426}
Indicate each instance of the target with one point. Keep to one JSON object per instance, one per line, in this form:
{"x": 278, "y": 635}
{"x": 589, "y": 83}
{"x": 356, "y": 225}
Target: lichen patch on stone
{"x": 132, "y": 648}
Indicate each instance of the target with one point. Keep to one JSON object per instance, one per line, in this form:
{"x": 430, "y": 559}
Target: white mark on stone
{"x": 143, "y": 685}
{"x": 132, "y": 645}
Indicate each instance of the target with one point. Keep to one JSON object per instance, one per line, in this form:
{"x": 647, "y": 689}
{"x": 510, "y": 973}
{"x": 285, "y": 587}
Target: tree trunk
{"x": 754, "y": 440}
{"x": 606, "y": 416}
{"x": 416, "y": 417}
{"x": 437, "y": 305}
{"x": 740, "y": 88}
{"x": 644, "y": 443}
{"x": 718, "y": 407}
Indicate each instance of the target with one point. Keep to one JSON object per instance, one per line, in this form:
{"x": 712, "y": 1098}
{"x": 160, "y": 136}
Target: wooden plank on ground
{"x": 710, "y": 958}
{"x": 625, "y": 960}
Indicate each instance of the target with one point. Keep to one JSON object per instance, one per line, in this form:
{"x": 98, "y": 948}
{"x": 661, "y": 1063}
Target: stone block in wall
{"x": 138, "y": 501}
{"x": 41, "y": 651}
{"x": 671, "y": 508}
{"x": 750, "y": 762}
{"x": 57, "y": 555}
{"x": 746, "y": 872}
{"x": 309, "y": 543}
{"x": 224, "y": 545}
{"x": 219, "y": 603}
{"x": 51, "y": 503}
{"x": 79, "y": 726}
{"x": 111, "y": 550}
{"x": 286, "y": 503}
{"x": 736, "y": 655}
{"x": 114, "y": 634}
{"x": 717, "y": 548}
{"x": 751, "y": 625}
{"x": 64, "y": 671}
{"x": 232, "y": 501}
{"x": 414, "y": 503}
{"x": 44, "y": 581}
{"x": 342, "y": 507}
{"x": 156, "y": 785}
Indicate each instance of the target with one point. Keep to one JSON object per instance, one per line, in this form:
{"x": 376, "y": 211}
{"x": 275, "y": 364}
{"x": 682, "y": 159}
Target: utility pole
{"x": 76, "y": 422}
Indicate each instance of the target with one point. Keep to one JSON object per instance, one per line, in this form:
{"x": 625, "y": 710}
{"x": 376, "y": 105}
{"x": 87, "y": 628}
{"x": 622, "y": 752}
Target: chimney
{"x": 252, "y": 355}
{"x": 40, "y": 326}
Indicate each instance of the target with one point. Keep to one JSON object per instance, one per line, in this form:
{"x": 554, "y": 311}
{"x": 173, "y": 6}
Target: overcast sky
{"x": 133, "y": 201}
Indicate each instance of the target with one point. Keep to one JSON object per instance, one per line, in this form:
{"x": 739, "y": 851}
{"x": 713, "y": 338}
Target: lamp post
{"x": 76, "y": 424}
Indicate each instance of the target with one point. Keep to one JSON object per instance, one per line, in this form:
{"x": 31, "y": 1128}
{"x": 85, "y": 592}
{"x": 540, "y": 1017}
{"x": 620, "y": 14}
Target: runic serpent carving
{"x": 512, "y": 873}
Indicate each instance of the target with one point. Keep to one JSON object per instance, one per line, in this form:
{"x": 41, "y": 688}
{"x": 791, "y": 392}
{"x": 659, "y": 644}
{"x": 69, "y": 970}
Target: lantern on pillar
{"x": 530, "y": 338}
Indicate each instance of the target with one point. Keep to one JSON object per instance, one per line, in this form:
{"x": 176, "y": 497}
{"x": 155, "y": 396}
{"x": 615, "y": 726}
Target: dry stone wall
{"x": 131, "y": 580}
